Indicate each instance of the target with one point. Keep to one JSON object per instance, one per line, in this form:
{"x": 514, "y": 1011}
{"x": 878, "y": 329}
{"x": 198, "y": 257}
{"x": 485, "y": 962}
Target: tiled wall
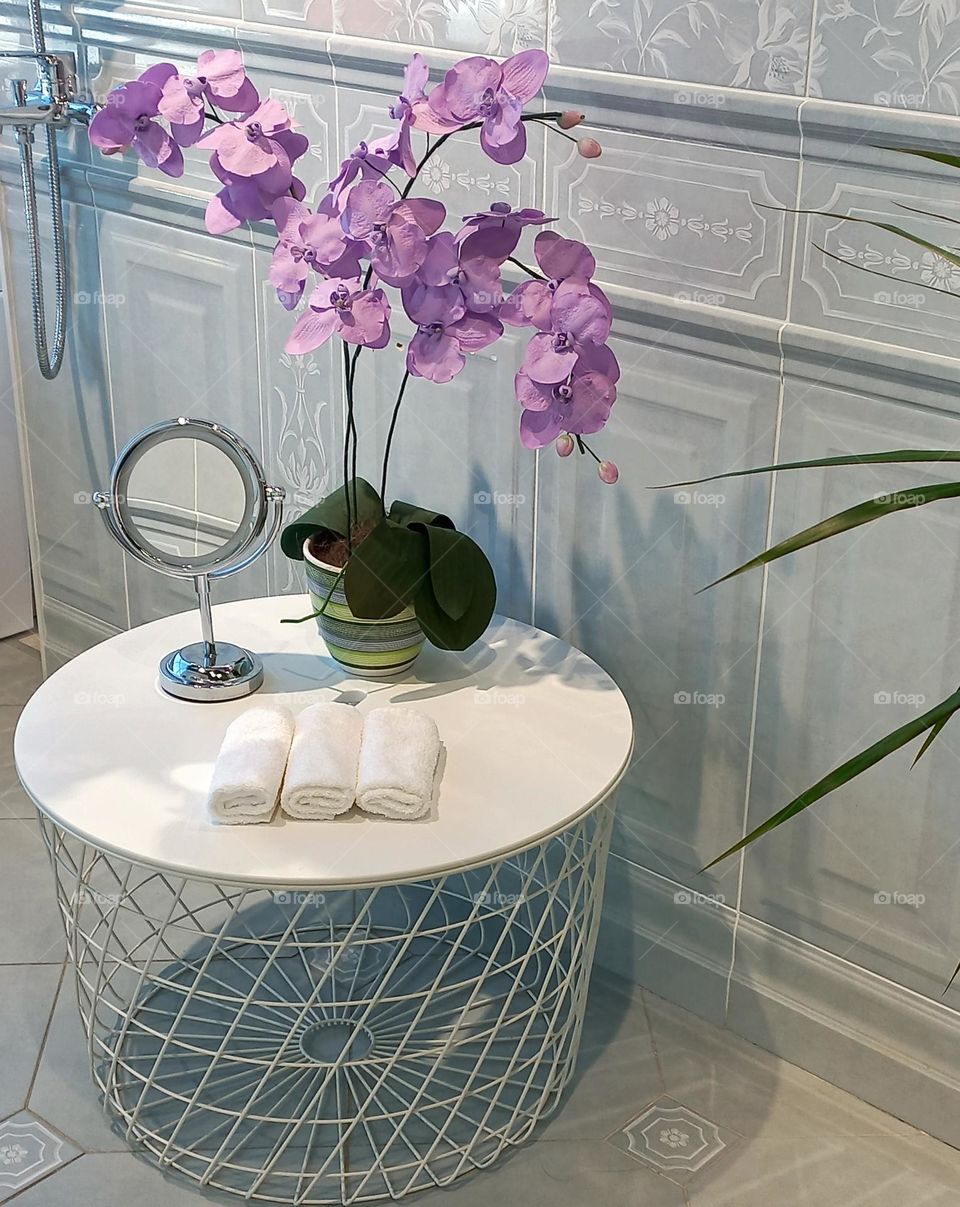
{"x": 742, "y": 340}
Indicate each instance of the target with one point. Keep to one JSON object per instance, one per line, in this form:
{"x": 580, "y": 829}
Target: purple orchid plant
{"x": 335, "y": 261}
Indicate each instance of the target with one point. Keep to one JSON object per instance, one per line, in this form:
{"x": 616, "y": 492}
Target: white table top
{"x": 534, "y": 732}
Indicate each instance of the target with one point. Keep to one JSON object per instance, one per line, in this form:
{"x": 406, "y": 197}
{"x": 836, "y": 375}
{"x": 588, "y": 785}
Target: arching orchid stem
{"x": 585, "y": 448}
{"x": 348, "y": 386}
{"x": 393, "y": 424}
{"x": 529, "y": 271}
{"x": 556, "y": 129}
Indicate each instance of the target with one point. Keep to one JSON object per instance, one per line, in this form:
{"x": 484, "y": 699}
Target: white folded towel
{"x": 249, "y": 768}
{"x": 321, "y": 779}
{"x": 398, "y": 761}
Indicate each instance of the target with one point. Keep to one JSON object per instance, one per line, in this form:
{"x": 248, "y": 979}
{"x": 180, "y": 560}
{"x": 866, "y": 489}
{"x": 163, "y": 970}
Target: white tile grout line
{"x": 768, "y": 540}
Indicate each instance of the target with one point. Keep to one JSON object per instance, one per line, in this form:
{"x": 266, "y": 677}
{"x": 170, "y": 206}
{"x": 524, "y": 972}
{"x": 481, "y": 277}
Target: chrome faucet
{"x": 52, "y": 101}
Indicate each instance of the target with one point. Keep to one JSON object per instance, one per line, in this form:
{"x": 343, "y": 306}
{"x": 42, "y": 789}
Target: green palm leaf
{"x": 850, "y": 770}
{"x": 893, "y": 457}
{"x": 843, "y": 521}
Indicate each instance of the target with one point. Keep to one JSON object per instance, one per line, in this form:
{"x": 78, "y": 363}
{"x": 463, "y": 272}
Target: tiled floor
{"x": 666, "y": 1111}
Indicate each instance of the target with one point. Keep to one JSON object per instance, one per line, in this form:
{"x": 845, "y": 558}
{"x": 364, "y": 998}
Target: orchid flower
{"x": 365, "y": 160}
{"x": 502, "y": 227}
{"x": 220, "y": 80}
{"x": 475, "y": 279}
{"x": 251, "y": 198}
{"x": 309, "y": 241}
{"x": 445, "y": 330}
{"x": 581, "y": 404}
{"x": 249, "y": 146}
{"x": 479, "y": 89}
{"x": 559, "y": 260}
{"x": 358, "y": 316}
{"x": 395, "y": 231}
{"x": 126, "y": 120}
{"x": 397, "y": 148}
{"x": 577, "y": 318}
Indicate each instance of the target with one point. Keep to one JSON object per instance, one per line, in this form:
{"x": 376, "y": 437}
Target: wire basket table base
{"x": 333, "y": 1045}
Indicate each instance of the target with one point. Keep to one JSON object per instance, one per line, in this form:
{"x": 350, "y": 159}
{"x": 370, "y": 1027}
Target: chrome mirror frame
{"x": 208, "y": 669}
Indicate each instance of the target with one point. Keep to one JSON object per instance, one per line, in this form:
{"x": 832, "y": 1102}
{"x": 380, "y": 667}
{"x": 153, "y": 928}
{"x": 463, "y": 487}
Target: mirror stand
{"x": 173, "y": 534}
{"x": 204, "y": 667}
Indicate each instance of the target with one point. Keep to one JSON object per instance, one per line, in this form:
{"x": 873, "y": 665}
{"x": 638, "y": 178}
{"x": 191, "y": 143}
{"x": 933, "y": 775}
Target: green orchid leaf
{"x": 456, "y": 563}
{"x": 893, "y": 457}
{"x": 385, "y": 571}
{"x": 843, "y": 521}
{"x": 952, "y": 979}
{"x": 409, "y": 514}
{"x": 850, "y": 770}
{"x": 913, "y": 209}
{"x": 447, "y": 632}
{"x": 330, "y": 515}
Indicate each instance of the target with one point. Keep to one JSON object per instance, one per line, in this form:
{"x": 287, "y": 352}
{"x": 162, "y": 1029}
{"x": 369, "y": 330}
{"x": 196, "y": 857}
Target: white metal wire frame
{"x": 333, "y": 1046}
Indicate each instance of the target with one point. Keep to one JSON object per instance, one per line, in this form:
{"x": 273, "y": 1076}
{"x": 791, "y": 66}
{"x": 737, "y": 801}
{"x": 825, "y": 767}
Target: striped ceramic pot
{"x": 369, "y": 649}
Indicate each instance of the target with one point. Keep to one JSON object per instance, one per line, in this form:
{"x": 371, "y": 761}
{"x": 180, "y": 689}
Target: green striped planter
{"x": 369, "y": 649}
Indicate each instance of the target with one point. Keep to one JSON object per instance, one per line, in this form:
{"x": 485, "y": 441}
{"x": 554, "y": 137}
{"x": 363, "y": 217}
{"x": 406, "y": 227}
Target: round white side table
{"x": 341, "y": 1011}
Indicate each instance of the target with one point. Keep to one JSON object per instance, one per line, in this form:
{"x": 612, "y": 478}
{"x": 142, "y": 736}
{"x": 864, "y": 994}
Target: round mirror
{"x": 188, "y": 498}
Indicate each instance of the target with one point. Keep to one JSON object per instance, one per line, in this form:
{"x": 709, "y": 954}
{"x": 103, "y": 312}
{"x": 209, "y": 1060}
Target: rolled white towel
{"x": 321, "y": 779}
{"x": 249, "y": 768}
{"x": 398, "y": 762}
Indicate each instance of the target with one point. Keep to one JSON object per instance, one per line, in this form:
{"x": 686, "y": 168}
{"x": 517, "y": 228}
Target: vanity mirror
{"x": 189, "y": 499}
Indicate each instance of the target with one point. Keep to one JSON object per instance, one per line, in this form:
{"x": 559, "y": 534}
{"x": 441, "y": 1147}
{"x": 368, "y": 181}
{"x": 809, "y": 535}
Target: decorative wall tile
{"x": 180, "y": 341}
{"x": 693, "y": 222}
{"x": 68, "y": 421}
{"x": 617, "y": 574}
{"x": 899, "y": 53}
{"x": 858, "y": 639}
{"x": 758, "y": 44}
{"x": 305, "y": 14}
{"x": 495, "y": 27}
{"x": 301, "y": 402}
{"x": 869, "y": 283}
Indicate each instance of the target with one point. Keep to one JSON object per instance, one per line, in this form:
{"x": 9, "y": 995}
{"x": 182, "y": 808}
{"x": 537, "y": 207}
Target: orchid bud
{"x": 589, "y": 148}
{"x": 565, "y": 445}
{"x": 608, "y": 472}
{"x": 569, "y": 118}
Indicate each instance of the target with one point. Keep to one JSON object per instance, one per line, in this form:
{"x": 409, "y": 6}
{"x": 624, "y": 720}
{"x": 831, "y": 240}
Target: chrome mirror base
{"x": 201, "y": 672}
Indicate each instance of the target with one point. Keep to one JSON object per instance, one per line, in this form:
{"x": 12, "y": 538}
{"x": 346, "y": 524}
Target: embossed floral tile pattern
{"x": 498, "y": 27}
{"x": 739, "y": 43}
{"x": 902, "y": 53}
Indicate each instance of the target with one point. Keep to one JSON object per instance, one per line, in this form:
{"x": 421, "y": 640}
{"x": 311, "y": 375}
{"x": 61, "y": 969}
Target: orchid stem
{"x": 393, "y": 424}
{"x": 529, "y": 271}
{"x": 585, "y": 448}
{"x": 348, "y": 386}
